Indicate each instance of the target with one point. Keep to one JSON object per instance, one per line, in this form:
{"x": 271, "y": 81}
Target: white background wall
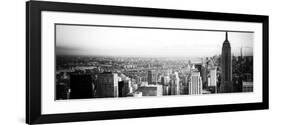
{"x": 12, "y": 71}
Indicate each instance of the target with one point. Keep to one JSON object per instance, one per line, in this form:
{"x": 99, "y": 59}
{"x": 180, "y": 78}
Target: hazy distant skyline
{"x": 120, "y": 41}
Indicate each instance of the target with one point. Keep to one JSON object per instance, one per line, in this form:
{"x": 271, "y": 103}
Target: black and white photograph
{"x": 111, "y": 61}
{"x": 99, "y": 62}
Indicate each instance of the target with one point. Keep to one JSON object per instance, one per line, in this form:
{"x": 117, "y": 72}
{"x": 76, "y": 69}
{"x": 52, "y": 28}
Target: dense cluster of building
{"x": 80, "y": 77}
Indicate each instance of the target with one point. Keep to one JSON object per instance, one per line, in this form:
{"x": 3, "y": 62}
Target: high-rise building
{"x": 152, "y": 77}
{"x": 124, "y": 87}
{"x": 166, "y": 90}
{"x": 107, "y": 85}
{"x": 175, "y": 84}
{"x": 213, "y": 77}
{"x": 203, "y": 74}
{"x": 121, "y": 86}
{"x": 212, "y": 80}
{"x": 195, "y": 84}
{"x": 185, "y": 85}
{"x": 127, "y": 87}
{"x": 165, "y": 80}
{"x": 81, "y": 86}
{"x": 226, "y": 85}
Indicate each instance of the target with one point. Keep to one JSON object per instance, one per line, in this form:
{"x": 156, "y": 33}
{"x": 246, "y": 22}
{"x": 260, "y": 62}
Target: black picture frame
{"x": 33, "y": 61}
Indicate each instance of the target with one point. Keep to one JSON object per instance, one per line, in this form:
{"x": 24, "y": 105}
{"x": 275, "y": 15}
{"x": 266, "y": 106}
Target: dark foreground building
{"x": 81, "y": 86}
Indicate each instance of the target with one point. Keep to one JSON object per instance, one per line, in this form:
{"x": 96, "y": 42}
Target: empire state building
{"x": 226, "y": 66}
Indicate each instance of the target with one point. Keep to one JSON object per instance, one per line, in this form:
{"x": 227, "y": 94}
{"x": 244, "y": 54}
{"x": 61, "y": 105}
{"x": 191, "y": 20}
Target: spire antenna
{"x": 226, "y": 35}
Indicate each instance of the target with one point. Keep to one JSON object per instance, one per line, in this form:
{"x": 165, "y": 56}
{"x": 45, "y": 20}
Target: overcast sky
{"x": 112, "y": 41}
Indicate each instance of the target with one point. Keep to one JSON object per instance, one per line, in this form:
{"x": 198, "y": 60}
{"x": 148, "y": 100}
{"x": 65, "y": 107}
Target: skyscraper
{"x": 107, "y": 85}
{"x": 152, "y": 77}
{"x": 175, "y": 84}
{"x": 212, "y": 80}
{"x": 226, "y": 66}
{"x": 213, "y": 77}
{"x": 165, "y": 82}
{"x": 203, "y": 74}
{"x": 195, "y": 84}
{"x": 121, "y": 86}
{"x": 184, "y": 85}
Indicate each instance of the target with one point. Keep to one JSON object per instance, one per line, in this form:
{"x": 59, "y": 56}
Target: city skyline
{"x": 116, "y": 72}
{"x": 138, "y": 42}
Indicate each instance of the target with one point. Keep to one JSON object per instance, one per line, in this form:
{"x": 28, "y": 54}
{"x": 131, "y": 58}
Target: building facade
{"x": 195, "y": 84}
{"x": 226, "y": 85}
{"x": 213, "y": 77}
{"x": 107, "y": 85}
{"x": 175, "y": 84}
{"x": 152, "y": 77}
{"x": 151, "y": 90}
